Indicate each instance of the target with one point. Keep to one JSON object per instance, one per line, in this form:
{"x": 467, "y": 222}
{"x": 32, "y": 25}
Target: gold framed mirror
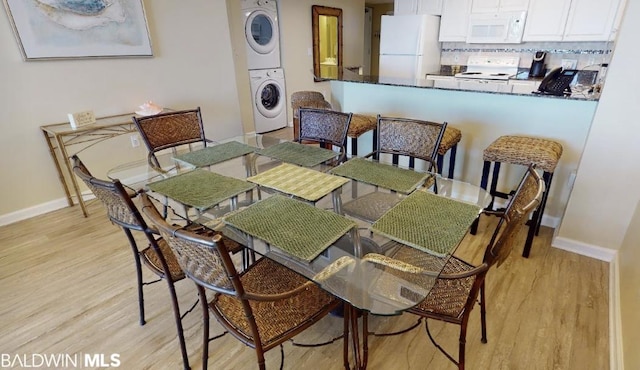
{"x": 327, "y": 42}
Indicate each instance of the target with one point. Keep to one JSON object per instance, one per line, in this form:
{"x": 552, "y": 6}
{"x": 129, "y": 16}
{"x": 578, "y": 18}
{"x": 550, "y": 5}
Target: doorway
{"x": 366, "y": 50}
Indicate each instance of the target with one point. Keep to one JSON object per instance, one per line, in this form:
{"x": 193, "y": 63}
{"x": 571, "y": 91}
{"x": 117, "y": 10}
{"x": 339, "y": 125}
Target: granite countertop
{"x": 350, "y": 75}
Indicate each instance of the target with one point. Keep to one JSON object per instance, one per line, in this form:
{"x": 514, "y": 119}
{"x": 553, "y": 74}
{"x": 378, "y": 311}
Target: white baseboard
{"x": 584, "y": 249}
{"x": 616, "y": 357}
{"x": 552, "y": 222}
{"x": 40, "y": 209}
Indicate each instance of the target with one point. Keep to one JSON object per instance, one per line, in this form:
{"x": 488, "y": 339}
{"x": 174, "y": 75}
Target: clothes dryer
{"x": 269, "y": 99}
{"x": 261, "y": 33}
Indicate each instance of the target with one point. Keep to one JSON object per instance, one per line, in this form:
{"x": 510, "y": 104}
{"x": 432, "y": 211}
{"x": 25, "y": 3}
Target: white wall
{"x": 629, "y": 260}
{"x": 604, "y": 208}
{"x": 192, "y": 66}
{"x": 296, "y": 37}
{"x": 606, "y": 188}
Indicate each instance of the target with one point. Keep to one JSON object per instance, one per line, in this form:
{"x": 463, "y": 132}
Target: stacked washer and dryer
{"x": 262, "y": 36}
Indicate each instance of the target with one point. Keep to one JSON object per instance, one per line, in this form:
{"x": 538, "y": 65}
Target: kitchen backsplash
{"x": 589, "y": 55}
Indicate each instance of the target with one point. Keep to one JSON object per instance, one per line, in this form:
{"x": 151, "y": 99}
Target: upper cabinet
{"x": 403, "y": 7}
{"x": 455, "y": 20}
{"x": 494, "y": 6}
{"x": 572, "y": 20}
{"x": 433, "y": 7}
{"x": 546, "y": 20}
{"x": 591, "y": 20}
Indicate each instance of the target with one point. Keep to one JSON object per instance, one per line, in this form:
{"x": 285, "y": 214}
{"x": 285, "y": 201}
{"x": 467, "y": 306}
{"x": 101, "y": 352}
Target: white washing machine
{"x": 269, "y": 99}
{"x": 261, "y": 33}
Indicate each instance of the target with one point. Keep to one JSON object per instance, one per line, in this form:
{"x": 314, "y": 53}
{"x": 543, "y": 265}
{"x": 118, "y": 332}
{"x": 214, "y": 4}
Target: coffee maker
{"x": 537, "y": 64}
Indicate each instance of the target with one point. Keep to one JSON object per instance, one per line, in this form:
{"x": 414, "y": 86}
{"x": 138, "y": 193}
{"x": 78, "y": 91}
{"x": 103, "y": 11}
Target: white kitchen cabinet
{"x": 546, "y": 20}
{"x": 484, "y": 85}
{"x": 403, "y": 7}
{"x": 591, "y": 20}
{"x": 433, "y": 7}
{"x": 455, "y": 20}
{"x": 572, "y": 20}
{"x": 443, "y": 82}
{"x": 494, "y": 6}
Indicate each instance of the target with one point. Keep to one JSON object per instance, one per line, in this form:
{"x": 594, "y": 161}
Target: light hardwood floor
{"x": 68, "y": 287}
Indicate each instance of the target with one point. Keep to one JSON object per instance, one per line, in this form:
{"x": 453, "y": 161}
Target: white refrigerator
{"x": 409, "y": 46}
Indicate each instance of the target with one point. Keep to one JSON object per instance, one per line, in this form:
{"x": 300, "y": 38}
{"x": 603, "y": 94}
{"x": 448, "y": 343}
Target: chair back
{"x": 169, "y": 130}
{"x": 114, "y": 197}
{"x": 325, "y": 127}
{"x": 526, "y": 198}
{"x": 410, "y": 137}
{"x": 205, "y": 260}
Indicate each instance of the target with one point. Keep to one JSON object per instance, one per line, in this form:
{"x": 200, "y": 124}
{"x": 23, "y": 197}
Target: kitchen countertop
{"x": 349, "y": 75}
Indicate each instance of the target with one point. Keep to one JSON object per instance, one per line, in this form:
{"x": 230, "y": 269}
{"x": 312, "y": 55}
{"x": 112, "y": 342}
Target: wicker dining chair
{"x": 169, "y": 131}
{"x": 325, "y": 127}
{"x": 305, "y": 99}
{"x": 263, "y": 307}
{"x": 461, "y": 284}
{"x": 416, "y": 139}
{"x": 412, "y": 138}
{"x": 157, "y": 256}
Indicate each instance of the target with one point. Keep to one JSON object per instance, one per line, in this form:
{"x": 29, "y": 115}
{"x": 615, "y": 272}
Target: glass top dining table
{"x": 293, "y": 214}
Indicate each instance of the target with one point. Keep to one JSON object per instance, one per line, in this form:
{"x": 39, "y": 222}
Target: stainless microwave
{"x": 496, "y": 28}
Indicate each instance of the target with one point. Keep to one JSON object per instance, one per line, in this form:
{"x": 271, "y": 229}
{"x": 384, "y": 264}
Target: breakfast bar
{"x": 482, "y": 117}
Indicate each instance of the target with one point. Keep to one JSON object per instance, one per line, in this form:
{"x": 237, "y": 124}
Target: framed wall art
{"x": 62, "y": 29}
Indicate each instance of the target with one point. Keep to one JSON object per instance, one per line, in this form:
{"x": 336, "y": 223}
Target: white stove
{"x": 490, "y": 68}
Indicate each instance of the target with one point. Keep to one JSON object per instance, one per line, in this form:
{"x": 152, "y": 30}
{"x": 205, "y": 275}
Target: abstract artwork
{"x": 61, "y": 29}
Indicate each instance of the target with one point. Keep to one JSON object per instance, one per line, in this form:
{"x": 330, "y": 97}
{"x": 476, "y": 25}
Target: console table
{"x": 64, "y": 141}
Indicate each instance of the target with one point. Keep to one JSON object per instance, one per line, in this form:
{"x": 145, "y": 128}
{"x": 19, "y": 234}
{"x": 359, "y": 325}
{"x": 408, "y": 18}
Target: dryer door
{"x": 269, "y": 99}
{"x": 261, "y": 32}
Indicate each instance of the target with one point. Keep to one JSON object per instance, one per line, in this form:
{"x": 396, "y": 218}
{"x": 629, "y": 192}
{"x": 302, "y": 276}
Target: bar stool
{"x": 450, "y": 140}
{"x": 359, "y": 125}
{"x": 305, "y": 99}
{"x": 522, "y": 150}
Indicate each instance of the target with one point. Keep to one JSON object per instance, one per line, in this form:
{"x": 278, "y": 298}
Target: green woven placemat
{"x": 302, "y": 182}
{"x": 428, "y": 222}
{"x": 299, "y": 229}
{"x": 200, "y": 189}
{"x": 296, "y": 153}
{"x": 215, "y": 154}
{"x": 384, "y": 175}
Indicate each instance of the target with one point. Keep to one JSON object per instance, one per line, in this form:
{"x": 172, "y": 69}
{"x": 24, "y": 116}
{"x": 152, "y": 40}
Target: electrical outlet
{"x": 135, "y": 141}
{"x": 569, "y": 63}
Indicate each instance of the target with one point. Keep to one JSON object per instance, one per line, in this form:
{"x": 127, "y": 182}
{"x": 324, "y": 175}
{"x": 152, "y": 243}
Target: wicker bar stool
{"x": 544, "y": 154}
{"x": 450, "y": 141}
{"x": 359, "y": 125}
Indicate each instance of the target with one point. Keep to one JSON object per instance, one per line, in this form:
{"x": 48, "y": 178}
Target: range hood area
{"x": 496, "y": 28}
